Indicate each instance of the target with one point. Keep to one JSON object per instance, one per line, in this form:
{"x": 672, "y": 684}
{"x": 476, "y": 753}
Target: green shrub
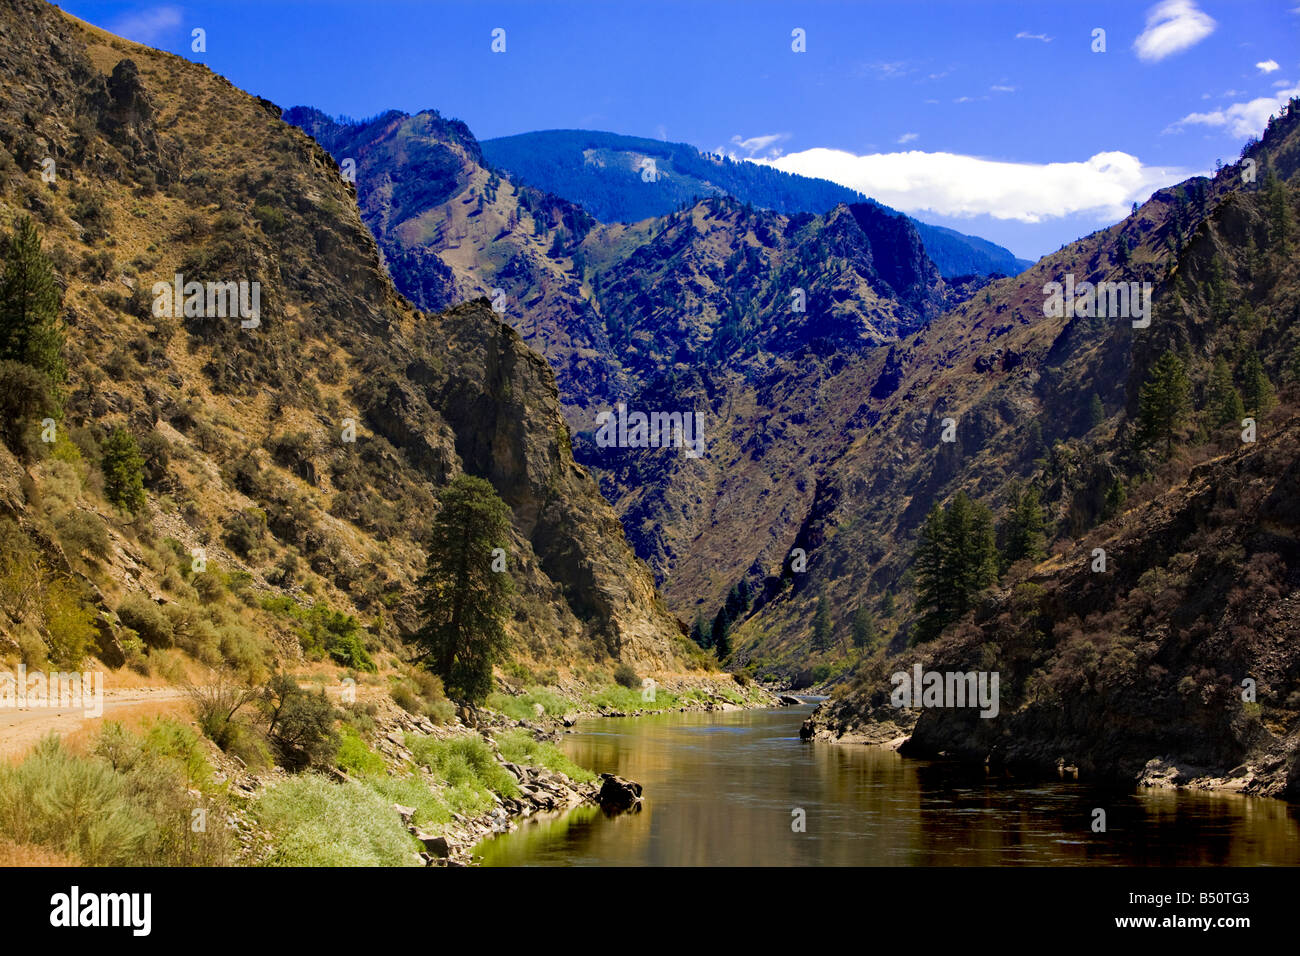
{"x": 71, "y": 804}
{"x": 82, "y": 533}
{"x": 466, "y": 766}
{"x": 519, "y": 746}
{"x": 147, "y": 619}
{"x": 25, "y": 399}
{"x": 431, "y": 809}
{"x": 355, "y": 757}
{"x": 317, "y": 823}
{"x": 300, "y": 724}
{"x": 522, "y": 707}
{"x": 626, "y": 676}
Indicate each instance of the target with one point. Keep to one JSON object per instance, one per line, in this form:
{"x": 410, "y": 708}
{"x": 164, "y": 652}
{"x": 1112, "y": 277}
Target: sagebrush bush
{"x": 82, "y": 533}
{"x": 314, "y": 822}
{"x": 130, "y": 803}
{"x": 147, "y": 619}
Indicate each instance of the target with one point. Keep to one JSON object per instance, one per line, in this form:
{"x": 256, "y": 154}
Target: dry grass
{"x": 25, "y": 854}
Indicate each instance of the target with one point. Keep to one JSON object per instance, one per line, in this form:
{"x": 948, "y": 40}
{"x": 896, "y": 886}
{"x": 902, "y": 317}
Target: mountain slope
{"x": 701, "y": 310}
{"x": 1177, "y": 660}
{"x": 303, "y": 454}
{"x": 605, "y": 173}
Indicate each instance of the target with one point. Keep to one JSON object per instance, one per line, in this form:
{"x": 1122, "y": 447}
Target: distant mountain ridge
{"x": 603, "y": 173}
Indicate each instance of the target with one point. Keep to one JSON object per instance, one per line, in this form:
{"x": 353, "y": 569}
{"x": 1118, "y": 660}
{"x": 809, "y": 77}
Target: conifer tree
{"x": 864, "y": 627}
{"x": 123, "y": 468}
{"x": 464, "y": 600}
{"x": 1222, "y": 401}
{"x": 955, "y": 558}
{"x": 1023, "y": 535}
{"x": 1256, "y": 389}
{"x": 721, "y": 635}
{"x": 822, "y": 627}
{"x": 29, "y": 303}
{"x": 1163, "y": 402}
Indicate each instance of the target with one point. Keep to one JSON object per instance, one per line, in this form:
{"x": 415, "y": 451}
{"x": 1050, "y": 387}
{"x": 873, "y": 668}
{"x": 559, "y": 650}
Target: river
{"x": 726, "y": 788}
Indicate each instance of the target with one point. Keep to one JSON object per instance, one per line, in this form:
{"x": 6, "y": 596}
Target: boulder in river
{"x": 618, "y": 795}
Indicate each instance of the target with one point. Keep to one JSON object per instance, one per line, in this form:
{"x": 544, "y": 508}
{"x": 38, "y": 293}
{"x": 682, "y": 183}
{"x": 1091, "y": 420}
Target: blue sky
{"x": 997, "y": 119}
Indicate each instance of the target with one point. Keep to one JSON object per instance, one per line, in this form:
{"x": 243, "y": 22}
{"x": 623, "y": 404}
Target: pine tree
{"x": 721, "y": 635}
{"x": 955, "y": 559}
{"x": 464, "y": 602}
{"x": 933, "y": 590}
{"x": 1222, "y": 401}
{"x": 1096, "y": 411}
{"x": 1122, "y": 250}
{"x": 1256, "y": 389}
{"x": 123, "y": 467}
{"x": 864, "y": 627}
{"x": 822, "y": 627}
{"x": 29, "y": 304}
{"x": 1279, "y": 213}
{"x": 1116, "y": 495}
{"x": 700, "y": 632}
{"x": 734, "y": 601}
{"x": 1163, "y": 402}
{"x": 1023, "y": 535}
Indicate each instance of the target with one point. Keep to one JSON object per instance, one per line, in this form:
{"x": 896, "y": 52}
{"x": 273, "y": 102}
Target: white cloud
{"x": 757, "y": 144}
{"x": 1267, "y": 66}
{"x": 1242, "y": 119}
{"x": 951, "y": 184}
{"x": 1003, "y": 89}
{"x": 147, "y": 26}
{"x": 1023, "y": 35}
{"x": 1281, "y": 84}
{"x": 1172, "y": 26}
{"x": 908, "y": 137}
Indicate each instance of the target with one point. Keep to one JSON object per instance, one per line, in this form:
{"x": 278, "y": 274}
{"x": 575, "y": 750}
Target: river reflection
{"x": 720, "y": 790}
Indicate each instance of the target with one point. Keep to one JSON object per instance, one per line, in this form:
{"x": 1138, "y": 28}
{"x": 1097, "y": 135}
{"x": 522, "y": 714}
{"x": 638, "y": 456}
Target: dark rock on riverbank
{"x": 618, "y": 795}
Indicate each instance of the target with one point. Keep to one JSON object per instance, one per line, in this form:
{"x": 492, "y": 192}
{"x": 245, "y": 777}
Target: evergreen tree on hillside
{"x": 1096, "y": 411}
{"x": 1222, "y": 401}
{"x": 1023, "y": 535}
{"x": 864, "y": 627}
{"x": 955, "y": 558}
{"x": 463, "y": 601}
{"x": 700, "y": 632}
{"x": 123, "y": 467}
{"x": 1256, "y": 389}
{"x": 822, "y": 627}
{"x": 1163, "y": 402}
{"x": 721, "y": 635}
{"x": 1279, "y": 213}
{"x": 29, "y": 303}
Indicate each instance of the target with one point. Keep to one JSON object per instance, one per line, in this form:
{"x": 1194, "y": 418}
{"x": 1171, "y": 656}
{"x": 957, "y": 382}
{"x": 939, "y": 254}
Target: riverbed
{"x": 741, "y": 789}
